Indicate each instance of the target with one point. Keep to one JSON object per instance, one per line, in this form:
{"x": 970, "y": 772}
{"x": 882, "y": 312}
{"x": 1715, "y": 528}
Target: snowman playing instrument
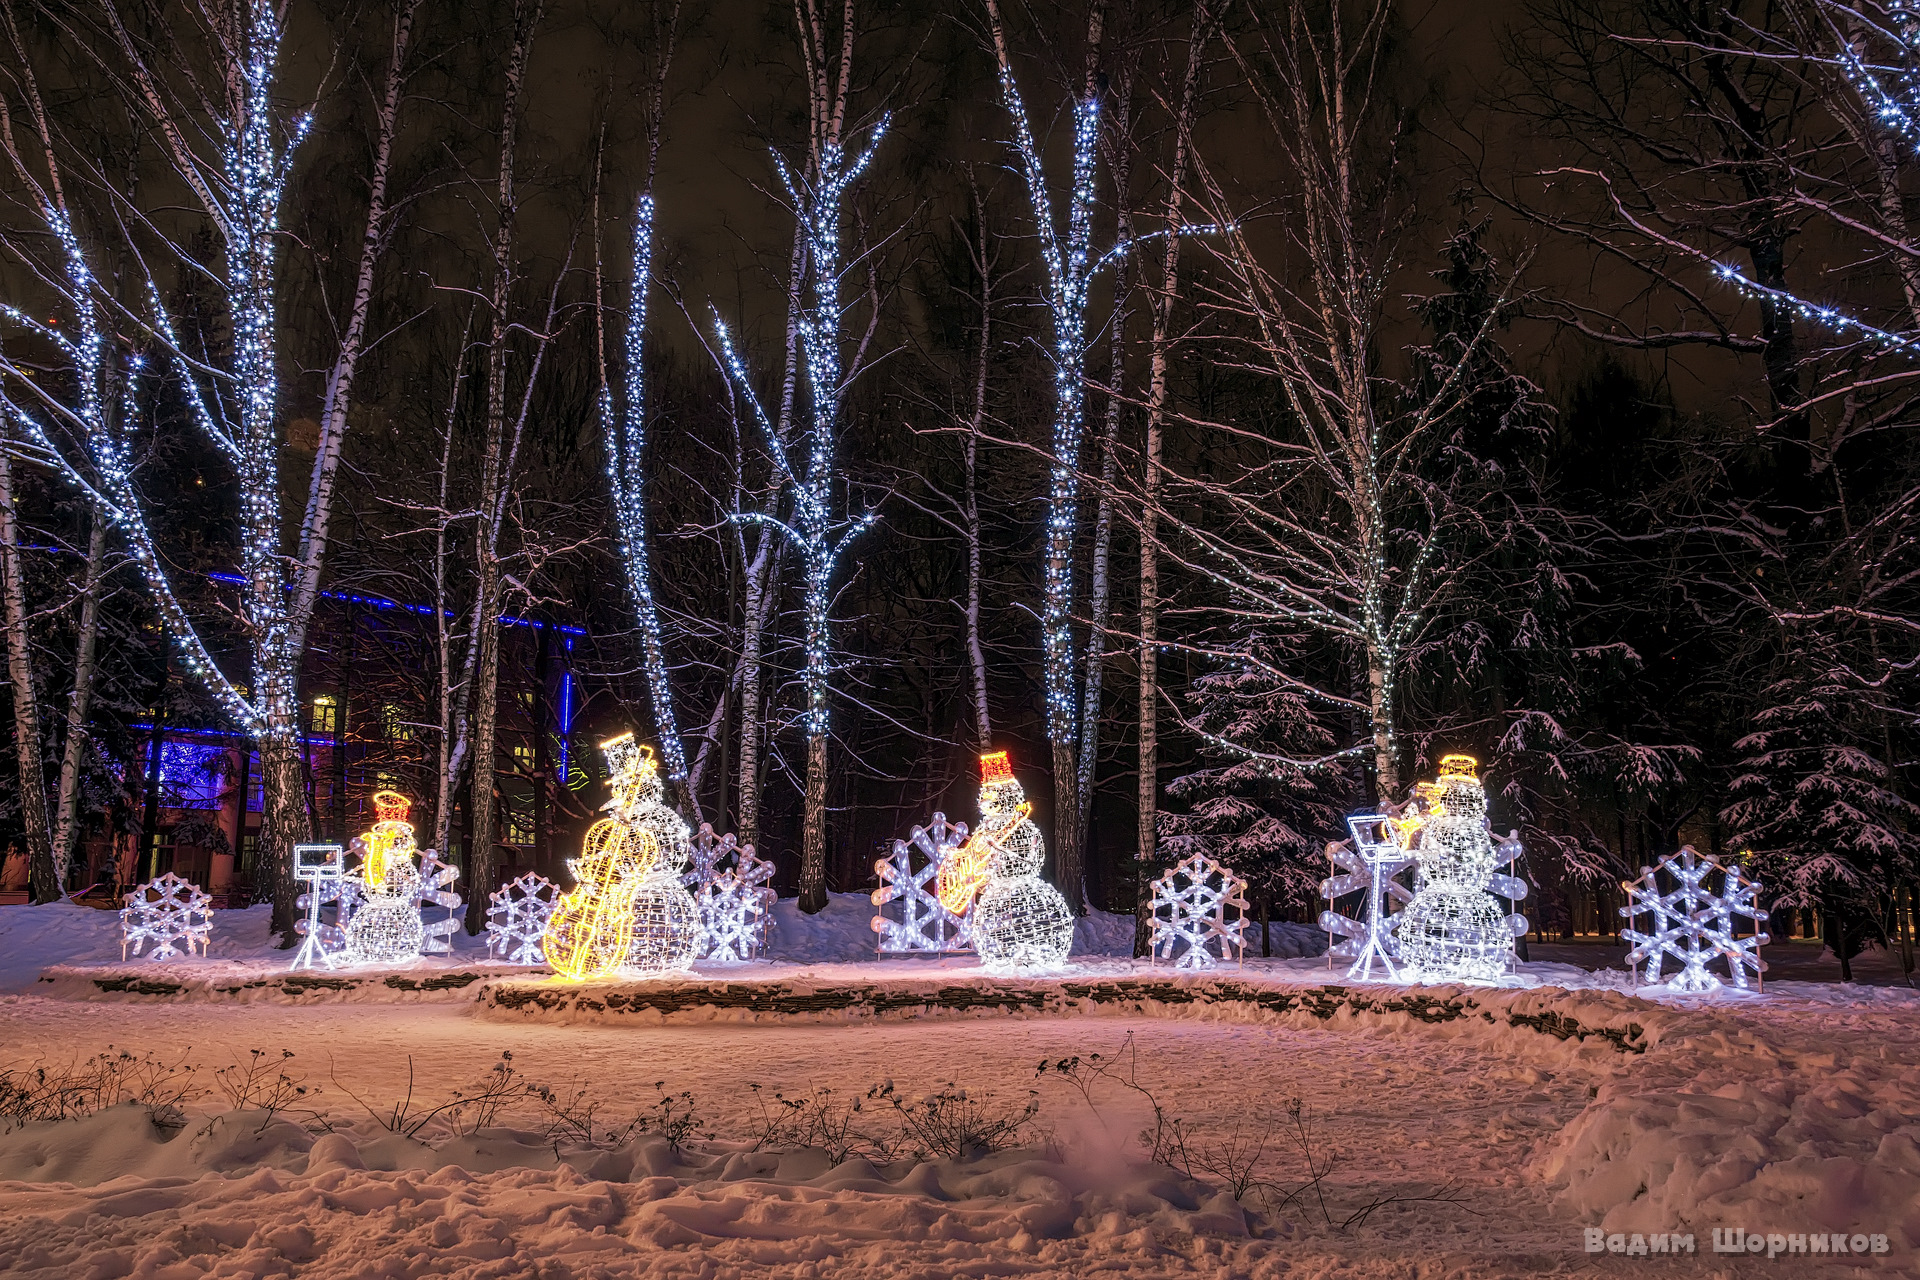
{"x": 387, "y": 927}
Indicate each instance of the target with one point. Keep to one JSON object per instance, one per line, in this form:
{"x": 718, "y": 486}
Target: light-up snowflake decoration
{"x": 1020, "y": 922}
{"x": 1453, "y": 930}
{"x": 436, "y": 892}
{"x": 517, "y": 917}
{"x": 733, "y": 918}
{"x": 163, "y": 911}
{"x": 1372, "y": 860}
{"x": 921, "y": 922}
{"x": 731, "y": 890}
{"x": 1692, "y": 924}
{"x": 1191, "y": 902}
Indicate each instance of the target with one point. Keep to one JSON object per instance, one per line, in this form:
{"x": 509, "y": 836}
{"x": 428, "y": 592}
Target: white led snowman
{"x": 1453, "y": 930}
{"x": 666, "y": 920}
{"x": 386, "y": 928}
{"x": 1020, "y": 921}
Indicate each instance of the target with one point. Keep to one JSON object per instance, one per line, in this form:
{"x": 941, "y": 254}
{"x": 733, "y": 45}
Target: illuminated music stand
{"x": 315, "y": 865}
{"x": 1383, "y": 857}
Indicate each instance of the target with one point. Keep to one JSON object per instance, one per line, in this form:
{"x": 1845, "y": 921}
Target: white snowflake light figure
{"x": 1453, "y": 930}
{"x": 1190, "y": 905}
{"x": 731, "y": 887}
{"x": 923, "y": 922}
{"x": 517, "y": 916}
{"x": 733, "y": 917}
{"x": 1020, "y": 923}
{"x": 436, "y": 877}
{"x": 1372, "y": 860}
{"x": 163, "y": 911}
{"x": 1692, "y": 924}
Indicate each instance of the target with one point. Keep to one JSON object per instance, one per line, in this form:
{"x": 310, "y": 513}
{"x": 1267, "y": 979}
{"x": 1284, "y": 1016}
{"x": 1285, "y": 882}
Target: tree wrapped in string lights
{"x": 222, "y": 138}
{"x": 1071, "y": 267}
{"x": 625, "y": 430}
{"x": 819, "y": 194}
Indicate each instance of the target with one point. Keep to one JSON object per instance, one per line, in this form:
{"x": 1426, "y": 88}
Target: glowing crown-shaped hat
{"x": 1459, "y": 767}
{"x": 624, "y": 755}
{"x": 995, "y": 769}
{"x": 390, "y": 806}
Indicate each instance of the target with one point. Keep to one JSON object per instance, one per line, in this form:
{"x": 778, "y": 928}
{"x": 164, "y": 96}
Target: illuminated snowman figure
{"x": 386, "y": 928}
{"x": 666, "y": 920}
{"x": 1453, "y": 929}
{"x": 1020, "y": 922}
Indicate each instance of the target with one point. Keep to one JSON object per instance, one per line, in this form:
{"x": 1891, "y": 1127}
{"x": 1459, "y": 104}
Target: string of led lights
{"x": 626, "y": 436}
{"x": 1071, "y": 266}
{"x": 235, "y": 406}
{"x": 1890, "y": 92}
{"x": 817, "y": 201}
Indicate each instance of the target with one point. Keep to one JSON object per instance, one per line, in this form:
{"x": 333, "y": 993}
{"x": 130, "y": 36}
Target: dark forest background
{"x": 1641, "y": 539}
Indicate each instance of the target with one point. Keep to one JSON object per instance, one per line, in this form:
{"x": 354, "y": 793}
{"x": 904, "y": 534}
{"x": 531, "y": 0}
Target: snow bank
{"x": 1801, "y": 1124}
{"x": 130, "y": 1199}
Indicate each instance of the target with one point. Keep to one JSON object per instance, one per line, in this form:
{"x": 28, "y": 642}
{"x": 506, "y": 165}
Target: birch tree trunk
{"x": 1100, "y": 590}
{"x": 73, "y": 753}
{"x": 1147, "y": 837}
{"x": 26, "y": 703}
{"x": 483, "y": 858}
{"x": 374, "y": 238}
{"x": 976, "y": 652}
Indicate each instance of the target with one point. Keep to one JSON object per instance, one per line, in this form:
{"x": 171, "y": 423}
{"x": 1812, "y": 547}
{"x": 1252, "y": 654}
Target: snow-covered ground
{"x": 1485, "y": 1144}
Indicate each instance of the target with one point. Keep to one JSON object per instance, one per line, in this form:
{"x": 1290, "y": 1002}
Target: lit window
{"x": 523, "y": 758}
{"x": 393, "y": 724}
{"x": 326, "y": 714}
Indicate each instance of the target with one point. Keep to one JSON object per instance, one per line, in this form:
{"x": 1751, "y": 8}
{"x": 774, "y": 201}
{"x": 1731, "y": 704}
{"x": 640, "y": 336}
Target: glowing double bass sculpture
{"x": 622, "y": 868}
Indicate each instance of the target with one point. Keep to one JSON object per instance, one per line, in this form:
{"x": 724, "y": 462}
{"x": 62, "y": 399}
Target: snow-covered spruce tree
{"x": 1508, "y": 670}
{"x": 1269, "y": 823}
{"x": 1818, "y": 804}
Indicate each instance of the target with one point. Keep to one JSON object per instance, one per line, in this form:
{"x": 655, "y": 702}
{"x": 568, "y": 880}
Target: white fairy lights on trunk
{"x": 818, "y": 200}
{"x": 236, "y": 408}
{"x": 1071, "y": 266}
{"x": 625, "y": 430}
